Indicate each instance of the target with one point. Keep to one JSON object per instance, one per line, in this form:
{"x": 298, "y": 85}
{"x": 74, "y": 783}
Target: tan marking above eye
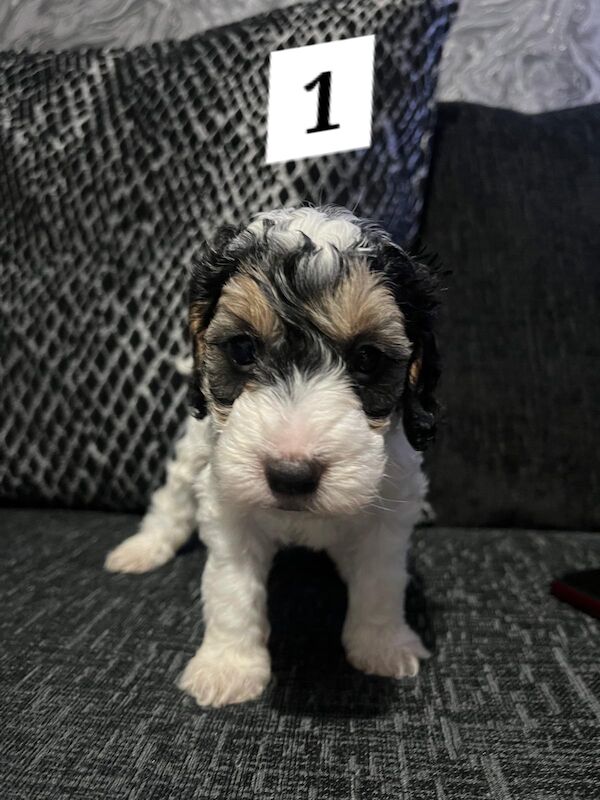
{"x": 196, "y": 325}
{"x": 243, "y": 298}
{"x": 196, "y": 317}
{"x": 361, "y": 304}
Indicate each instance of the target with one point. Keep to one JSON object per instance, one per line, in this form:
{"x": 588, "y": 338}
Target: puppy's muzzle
{"x": 293, "y": 478}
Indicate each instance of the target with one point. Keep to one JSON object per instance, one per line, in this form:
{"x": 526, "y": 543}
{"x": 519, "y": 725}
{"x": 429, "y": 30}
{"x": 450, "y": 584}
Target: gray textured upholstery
{"x": 508, "y": 707}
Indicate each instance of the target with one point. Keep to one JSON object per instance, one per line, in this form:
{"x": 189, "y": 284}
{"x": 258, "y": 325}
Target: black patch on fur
{"x": 380, "y": 392}
{"x": 195, "y": 395}
{"x": 212, "y": 267}
{"x": 416, "y": 288}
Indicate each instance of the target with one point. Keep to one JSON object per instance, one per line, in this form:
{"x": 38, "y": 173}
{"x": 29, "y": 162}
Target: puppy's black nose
{"x": 287, "y": 476}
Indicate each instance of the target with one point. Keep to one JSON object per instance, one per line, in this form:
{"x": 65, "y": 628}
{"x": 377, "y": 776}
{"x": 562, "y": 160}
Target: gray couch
{"x": 509, "y": 705}
{"x": 506, "y": 708}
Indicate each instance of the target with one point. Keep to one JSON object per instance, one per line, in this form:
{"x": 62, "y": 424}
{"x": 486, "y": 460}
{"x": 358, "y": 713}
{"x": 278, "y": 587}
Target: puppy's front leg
{"x": 376, "y": 637}
{"x": 233, "y": 663}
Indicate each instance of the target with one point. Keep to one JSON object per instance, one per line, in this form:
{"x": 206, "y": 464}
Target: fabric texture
{"x": 528, "y": 55}
{"x": 115, "y": 166}
{"x": 508, "y": 706}
{"x": 39, "y": 25}
{"x": 512, "y": 210}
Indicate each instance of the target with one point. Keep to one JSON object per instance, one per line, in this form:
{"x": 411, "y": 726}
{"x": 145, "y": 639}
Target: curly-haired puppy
{"x": 314, "y": 365}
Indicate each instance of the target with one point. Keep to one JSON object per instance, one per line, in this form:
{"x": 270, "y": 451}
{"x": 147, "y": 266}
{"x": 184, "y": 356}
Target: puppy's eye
{"x": 365, "y": 361}
{"x": 241, "y": 351}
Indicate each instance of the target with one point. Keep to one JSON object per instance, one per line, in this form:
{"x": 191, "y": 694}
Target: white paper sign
{"x": 320, "y": 99}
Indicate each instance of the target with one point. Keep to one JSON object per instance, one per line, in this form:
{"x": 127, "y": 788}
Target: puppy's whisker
{"x": 388, "y": 499}
{"x": 382, "y": 508}
{"x": 402, "y": 468}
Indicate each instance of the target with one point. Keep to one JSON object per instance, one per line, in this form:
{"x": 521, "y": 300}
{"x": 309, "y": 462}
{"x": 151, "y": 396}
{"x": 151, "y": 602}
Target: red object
{"x": 580, "y": 589}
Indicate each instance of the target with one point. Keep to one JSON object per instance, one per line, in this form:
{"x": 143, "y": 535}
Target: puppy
{"x": 311, "y": 393}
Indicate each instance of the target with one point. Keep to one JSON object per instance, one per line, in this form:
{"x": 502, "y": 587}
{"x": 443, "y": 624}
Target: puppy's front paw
{"x": 139, "y": 553}
{"x": 391, "y": 653}
{"x": 217, "y": 677}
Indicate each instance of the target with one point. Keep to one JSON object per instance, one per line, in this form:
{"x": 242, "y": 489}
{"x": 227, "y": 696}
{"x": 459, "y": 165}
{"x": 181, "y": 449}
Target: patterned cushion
{"x": 115, "y": 165}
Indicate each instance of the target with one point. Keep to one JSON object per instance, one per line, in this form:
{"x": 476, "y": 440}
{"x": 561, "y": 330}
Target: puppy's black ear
{"x": 420, "y": 408}
{"x": 212, "y": 266}
{"x": 415, "y": 284}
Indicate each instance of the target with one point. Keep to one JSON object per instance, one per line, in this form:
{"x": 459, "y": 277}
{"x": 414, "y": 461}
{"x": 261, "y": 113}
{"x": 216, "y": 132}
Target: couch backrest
{"x": 514, "y": 210}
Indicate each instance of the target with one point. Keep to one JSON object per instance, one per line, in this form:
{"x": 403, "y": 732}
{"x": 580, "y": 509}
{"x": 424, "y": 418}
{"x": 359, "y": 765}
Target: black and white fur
{"x": 301, "y": 410}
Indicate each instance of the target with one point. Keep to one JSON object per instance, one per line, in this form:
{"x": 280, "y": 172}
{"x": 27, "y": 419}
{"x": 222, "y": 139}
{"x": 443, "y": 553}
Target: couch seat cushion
{"x": 508, "y": 707}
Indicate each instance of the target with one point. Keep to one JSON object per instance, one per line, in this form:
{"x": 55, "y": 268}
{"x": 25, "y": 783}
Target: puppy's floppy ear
{"x": 420, "y": 408}
{"x": 212, "y": 266}
{"x": 416, "y": 286}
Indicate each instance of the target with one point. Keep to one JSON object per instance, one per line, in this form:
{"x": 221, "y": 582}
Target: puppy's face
{"x": 302, "y": 357}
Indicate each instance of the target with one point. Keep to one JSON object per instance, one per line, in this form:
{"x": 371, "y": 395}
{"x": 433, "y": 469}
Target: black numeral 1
{"x": 324, "y": 82}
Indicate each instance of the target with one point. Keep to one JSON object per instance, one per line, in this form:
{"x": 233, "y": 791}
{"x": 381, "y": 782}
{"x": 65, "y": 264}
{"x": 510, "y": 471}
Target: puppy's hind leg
{"x": 171, "y": 519}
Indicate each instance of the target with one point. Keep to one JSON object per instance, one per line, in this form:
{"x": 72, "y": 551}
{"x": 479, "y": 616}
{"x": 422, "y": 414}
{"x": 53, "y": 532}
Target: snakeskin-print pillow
{"x": 114, "y": 166}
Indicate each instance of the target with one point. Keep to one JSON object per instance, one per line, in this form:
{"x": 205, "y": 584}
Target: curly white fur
{"x": 368, "y": 506}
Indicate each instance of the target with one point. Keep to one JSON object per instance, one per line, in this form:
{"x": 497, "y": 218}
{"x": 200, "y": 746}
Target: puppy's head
{"x": 312, "y": 334}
